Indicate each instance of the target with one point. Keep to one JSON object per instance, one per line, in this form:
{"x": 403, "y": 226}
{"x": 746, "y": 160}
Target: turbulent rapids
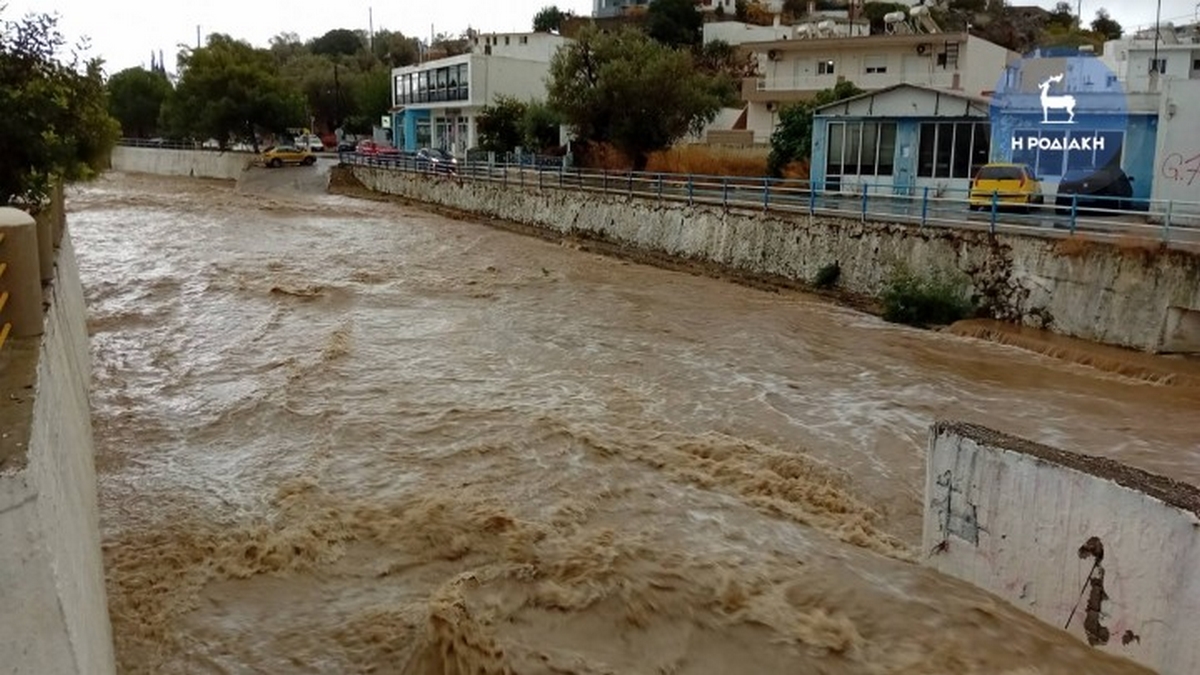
{"x": 343, "y": 436}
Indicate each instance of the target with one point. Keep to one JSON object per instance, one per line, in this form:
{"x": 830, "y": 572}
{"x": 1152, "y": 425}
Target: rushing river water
{"x": 342, "y": 436}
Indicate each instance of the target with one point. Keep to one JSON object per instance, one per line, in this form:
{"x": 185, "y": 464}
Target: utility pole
{"x": 371, "y": 29}
{"x": 197, "y": 36}
{"x": 1157, "y": 34}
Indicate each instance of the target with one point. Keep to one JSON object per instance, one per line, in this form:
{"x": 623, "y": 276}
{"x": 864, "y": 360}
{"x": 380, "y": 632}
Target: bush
{"x": 935, "y": 300}
{"x": 827, "y": 276}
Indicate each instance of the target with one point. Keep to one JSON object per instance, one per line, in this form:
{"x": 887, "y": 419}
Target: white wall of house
{"x": 736, "y": 32}
{"x": 984, "y": 65}
{"x": 1177, "y": 152}
{"x": 1130, "y": 60}
{"x": 526, "y": 46}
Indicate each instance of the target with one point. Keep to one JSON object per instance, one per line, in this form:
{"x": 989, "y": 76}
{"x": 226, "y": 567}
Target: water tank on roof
{"x": 894, "y": 17}
{"x": 826, "y": 26}
{"x": 919, "y": 10}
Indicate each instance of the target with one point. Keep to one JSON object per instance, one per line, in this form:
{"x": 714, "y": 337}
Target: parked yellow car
{"x": 1011, "y": 184}
{"x": 278, "y": 155}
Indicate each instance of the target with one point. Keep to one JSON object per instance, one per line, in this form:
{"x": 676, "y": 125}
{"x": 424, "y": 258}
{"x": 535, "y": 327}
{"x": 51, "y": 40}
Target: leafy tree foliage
{"x": 1106, "y": 25}
{"x": 626, "y": 89}
{"x": 510, "y": 123}
{"x": 337, "y": 41}
{"x": 1063, "y": 15}
{"x": 540, "y": 127}
{"x": 394, "y": 49}
{"x": 446, "y": 44}
{"x": 56, "y": 120}
{"x": 792, "y": 139}
{"x": 676, "y": 23}
{"x": 875, "y": 11}
{"x": 499, "y": 125}
{"x": 135, "y": 98}
{"x": 549, "y": 19}
{"x": 228, "y": 89}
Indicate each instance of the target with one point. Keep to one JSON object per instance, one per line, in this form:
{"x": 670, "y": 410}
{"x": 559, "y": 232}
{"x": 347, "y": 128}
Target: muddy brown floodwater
{"x": 338, "y": 436}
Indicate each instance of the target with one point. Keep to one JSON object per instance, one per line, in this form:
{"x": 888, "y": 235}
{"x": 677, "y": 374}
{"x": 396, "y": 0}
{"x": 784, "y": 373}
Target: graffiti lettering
{"x": 1176, "y": 168}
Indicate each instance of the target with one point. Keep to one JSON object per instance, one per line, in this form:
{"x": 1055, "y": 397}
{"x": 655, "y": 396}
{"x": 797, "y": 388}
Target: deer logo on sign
{"x": 1058, "y": 102}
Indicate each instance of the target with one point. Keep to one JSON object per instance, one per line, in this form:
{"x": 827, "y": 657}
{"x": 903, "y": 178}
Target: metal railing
{"x": 1173, "y": 223}
{"x": 6, "y": 326}
{"x": 166, "y": 144}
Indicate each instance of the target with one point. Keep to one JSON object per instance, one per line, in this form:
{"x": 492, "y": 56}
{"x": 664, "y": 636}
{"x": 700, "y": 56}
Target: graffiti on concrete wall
{"x": 1178, "y": 168}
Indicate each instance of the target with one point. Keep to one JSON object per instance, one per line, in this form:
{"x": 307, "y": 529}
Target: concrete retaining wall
{"x": 1083, "y": 542}
{"x": 1096, "y": 292}
{"x": 55, "y": 614}
{"x": 194, "y": 163}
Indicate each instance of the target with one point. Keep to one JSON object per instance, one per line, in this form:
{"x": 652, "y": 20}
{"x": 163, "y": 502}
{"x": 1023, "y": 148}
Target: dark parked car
{"x": 1105, "y": 188}
{"x": 436, "y": 160}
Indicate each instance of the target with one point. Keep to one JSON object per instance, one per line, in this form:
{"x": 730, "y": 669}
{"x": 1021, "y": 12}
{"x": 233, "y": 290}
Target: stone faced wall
{"x": 1101, "y": 293}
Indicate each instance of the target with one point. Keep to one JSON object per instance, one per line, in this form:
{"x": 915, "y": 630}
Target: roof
{"x": 960, "y": 95}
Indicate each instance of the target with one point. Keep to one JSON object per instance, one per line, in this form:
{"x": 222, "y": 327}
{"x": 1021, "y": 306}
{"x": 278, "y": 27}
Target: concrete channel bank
{"x": 1109, "y": 555}
{"x": 191, "y": 163}
{"x": 55, "y": 613}
{"x": 1123, "y": 296}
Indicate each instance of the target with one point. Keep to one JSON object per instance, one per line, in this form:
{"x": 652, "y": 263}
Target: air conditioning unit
{"x": 924, "y": 49}
{"x": 772, "y": 55}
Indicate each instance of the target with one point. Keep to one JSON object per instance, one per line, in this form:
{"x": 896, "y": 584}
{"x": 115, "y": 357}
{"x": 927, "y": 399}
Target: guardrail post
{"x": 521, "y": 171}
{"x": 21, "y": 299}
{"x": 766, "y": 194}
{"x": 539, "y": 178}
{"x": 659, "y": 188}
{"x": 604, "y": 184}
{"x": 812, "y": 199}
{"x": 995, "y": 208}
{"x": 925, "y": 207}
{"x": 866, "y": 189}
{"x": 725, "y": 192}
{"x": 1074, "y": 211}
{"x": 631, "y": 184}
{"x": 562, "y": 168}
{"x": 504, "y": 170}
{"x": 690, "y": 191}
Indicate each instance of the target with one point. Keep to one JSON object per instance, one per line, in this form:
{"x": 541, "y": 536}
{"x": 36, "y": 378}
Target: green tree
{"x": 676, "y": 23}
{"x": 792, "y": 139}
{"x": 450, "y": 45}
{"x": 549, "y": 19}
{"x": 1062, "y": 16}
{"x": 228, "y": 89}
{"x": 540, "y": 127}
{"x": 626, "y": 89}
{"x": 395, "y": 50}
{"x": 875, "y": 11}
{"x": 135, "y": 99}
{"x": 1106, "y": 25}
{"x": 372, "y": 93}
{"x": 337, "y": 41}
{"x": 501, "y": 125}
{"x": 56, "y": 120}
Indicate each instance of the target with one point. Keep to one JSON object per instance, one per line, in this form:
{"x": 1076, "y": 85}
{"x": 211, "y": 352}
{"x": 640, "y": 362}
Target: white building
{"x": 603, "y": 9}
{"x": 792, "y": 70}
{"x": 435, "y": 104}
{"x": 1142, "y": 65}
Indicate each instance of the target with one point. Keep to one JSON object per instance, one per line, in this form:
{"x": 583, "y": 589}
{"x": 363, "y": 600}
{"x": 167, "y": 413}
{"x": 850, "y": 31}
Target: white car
{"x": 310, "y": 143}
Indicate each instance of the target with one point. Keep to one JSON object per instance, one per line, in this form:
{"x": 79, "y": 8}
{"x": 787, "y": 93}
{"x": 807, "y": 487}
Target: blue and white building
{"x": 909, "y": 137}
{"x": 436, "y": 103}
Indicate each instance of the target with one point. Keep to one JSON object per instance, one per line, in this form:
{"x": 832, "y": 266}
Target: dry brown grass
{"x": 706, "y": 160}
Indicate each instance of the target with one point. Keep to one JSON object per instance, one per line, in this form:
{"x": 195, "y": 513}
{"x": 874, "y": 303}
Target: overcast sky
{"x": 124, "y": 32}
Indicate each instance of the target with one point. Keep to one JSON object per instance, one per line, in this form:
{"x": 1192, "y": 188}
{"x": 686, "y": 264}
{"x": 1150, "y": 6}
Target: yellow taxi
{"x": 1010, "y": 184}
{"x": 278, "y": 155}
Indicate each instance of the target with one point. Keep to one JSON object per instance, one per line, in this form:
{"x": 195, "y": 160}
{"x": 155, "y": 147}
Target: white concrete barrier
{"x": 53, "y": 607}
{"x": 194, "y": 163}
{"x": 1081, "y": 542}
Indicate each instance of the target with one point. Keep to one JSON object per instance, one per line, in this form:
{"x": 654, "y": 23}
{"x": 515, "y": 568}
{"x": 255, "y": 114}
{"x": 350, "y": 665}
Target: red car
{"x": 369, "y": 147}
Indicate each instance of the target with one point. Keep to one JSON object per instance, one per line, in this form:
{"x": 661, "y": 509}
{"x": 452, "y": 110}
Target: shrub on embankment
{"x": 936, "y": 298}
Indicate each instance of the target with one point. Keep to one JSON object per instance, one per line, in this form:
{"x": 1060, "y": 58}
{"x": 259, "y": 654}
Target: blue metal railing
{"x": 1174, "y": 223}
